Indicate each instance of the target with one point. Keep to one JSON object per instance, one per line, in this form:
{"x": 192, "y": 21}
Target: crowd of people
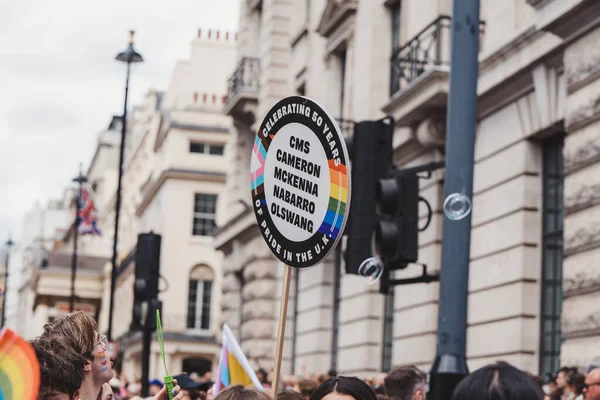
{"x": 75, "y": 364}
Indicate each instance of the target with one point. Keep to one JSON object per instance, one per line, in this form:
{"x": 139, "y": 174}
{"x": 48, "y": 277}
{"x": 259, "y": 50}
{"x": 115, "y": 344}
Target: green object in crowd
{"x": 161, "y": 343}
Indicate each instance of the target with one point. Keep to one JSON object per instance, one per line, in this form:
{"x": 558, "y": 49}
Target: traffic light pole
{"x": 450, "y": 366}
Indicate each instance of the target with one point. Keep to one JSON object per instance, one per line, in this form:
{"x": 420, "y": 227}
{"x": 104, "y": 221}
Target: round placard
{"x": 300, "y": 181}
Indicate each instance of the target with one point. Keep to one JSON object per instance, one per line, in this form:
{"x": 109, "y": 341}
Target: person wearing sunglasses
{"x": 79, "y": 331}
{"x": 591, "y": 386}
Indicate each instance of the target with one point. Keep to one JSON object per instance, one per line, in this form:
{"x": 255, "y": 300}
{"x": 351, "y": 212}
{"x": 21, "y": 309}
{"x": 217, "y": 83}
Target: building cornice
{"x": 166, "y": 124}
{"x": 177, "y": 174}
{"x": 235, "y": 228}
{"x": 335, "y": 13}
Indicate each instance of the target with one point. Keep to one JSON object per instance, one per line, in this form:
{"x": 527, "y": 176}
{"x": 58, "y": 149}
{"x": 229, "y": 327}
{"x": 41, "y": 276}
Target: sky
{"x": 60, "y": 84}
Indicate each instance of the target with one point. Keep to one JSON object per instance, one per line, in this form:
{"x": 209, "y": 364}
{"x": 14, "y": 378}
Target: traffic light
{"x": 147, "y": 273}
{"x": 371, "y": 155}
{"x": 397, "y": 231}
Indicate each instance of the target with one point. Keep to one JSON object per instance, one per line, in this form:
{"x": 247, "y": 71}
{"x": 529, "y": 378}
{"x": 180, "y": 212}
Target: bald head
{"x": 592, "y": 385}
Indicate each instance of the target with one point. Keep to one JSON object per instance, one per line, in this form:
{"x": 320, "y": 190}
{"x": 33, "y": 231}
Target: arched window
{"x": 199, "y": 297}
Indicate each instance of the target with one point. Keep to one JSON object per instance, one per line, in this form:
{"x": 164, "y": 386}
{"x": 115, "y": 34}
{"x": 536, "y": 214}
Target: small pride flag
{"x": 19, "y": 368}
{"x": 234, "y": 368}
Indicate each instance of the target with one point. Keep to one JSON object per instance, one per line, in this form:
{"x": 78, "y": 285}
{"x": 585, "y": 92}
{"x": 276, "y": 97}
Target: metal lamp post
{"x": 80, "y": 179}
{"x": 128, "y": 56}
{"x": 9, "y": 244}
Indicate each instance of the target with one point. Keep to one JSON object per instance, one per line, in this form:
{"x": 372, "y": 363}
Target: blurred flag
{"x": 88, "y": 218}
{"x": 19, "y": 368}
{"x": 234, "y": 368}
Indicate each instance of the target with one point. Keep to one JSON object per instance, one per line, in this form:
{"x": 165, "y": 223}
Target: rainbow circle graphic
{"x": 19, "y": 368}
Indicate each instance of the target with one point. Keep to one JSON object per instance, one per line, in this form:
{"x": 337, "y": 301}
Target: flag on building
{"x": 88, "y": 218}
{"x": 234, "y": 368}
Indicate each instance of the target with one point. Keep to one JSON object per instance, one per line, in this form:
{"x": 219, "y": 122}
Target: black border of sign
{"x": 258, "y": 195}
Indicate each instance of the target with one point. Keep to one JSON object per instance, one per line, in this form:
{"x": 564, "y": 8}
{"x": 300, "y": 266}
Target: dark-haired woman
{"x": 499, "y": 381}
{"x": 343, "y": 388}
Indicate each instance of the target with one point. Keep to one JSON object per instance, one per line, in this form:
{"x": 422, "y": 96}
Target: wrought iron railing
{"x": 428, "y": 49}
{"x": 245, "y": 78}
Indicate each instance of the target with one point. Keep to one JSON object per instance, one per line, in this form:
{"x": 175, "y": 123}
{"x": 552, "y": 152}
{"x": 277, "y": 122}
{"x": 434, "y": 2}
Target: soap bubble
{"x": 457, "y": 206}
{"x": 371, "y": 269}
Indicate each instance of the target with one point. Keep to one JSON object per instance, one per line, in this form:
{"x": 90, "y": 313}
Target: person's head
{"x": 261, "y": 374}
{"x": 306, "y": 387}
{"x": 575, "y": 383}
{"x": 289, "y": 395}
{"x": 591, "y": 386}
{"x": 80, "y": 332}
{"x": 61, "y": 369}
{"x": 498, "y": 381}
{"x": 154, "y": 387}
{"x": 238, "y": 392}
{"x": 343, "y": 388}
{"x": 561, "y": 378}
{"x": 189, "y": 394}
{"x": 406, "y": 383}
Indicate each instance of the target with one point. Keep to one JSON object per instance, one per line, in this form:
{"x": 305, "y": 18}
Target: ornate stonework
{"x": 584, "y": 156}
{"x": 584, "y": 115}
{"x": 432, "y": 131}
{"x": 589, "y": 323}
{"x": 584, "y": 239}
{"x": 582, "y": 61}
{"x": 587, "y": 196}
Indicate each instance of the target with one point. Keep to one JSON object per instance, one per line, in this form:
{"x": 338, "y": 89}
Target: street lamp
{"x": 80, "y": 179}
{"x": 9, "y": 244}
{"x": 128, "y": 56}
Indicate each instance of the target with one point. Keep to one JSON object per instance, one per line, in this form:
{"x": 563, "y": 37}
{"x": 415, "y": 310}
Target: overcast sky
{"x": 60, "y": 84}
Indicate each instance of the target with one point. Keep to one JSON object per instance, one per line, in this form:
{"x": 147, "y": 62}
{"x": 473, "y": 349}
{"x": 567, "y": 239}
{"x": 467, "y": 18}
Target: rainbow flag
{"x": 19, "y": 368}
{"x": 234, "y": 368}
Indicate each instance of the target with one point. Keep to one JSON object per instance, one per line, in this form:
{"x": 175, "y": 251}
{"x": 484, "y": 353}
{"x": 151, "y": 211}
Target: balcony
{"x": 420, "y": 54}
{"x": 242, "y": 91}
{"x": 420, "y": 70}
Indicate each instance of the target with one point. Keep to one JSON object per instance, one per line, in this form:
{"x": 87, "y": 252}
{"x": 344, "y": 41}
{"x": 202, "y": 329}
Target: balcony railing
{"x": 428, "y": 49}
{"x": 245, "y": 78}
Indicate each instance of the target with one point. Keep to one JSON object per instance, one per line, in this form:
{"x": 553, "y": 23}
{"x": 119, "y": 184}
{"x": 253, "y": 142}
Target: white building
{"x": 176, "y": 159}
{"x": 533, "y": 299}
{"x": 173, "y": 181}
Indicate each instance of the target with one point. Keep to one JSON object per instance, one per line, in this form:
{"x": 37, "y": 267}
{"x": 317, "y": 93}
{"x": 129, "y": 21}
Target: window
{"x": 395, "y": 14}
{"x": 207, "y": 148}
{"x": 388, "y": 331}
{"x": 204, "y": 214}
{"x": 395, "y": 11}
{"x": 343, "y": 87}
{"x": 199, "y": 298}
{"x": 552, "y": 255}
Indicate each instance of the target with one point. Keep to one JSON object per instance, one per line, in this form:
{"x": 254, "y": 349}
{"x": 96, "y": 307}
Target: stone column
{"x": 314, "y": 319}
{"x": 581, "y": 270}
{"x": 275, "y": 54}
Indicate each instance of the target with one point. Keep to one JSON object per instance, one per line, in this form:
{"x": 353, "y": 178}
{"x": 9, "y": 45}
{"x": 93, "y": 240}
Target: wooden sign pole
{"x": 285, "y": 291}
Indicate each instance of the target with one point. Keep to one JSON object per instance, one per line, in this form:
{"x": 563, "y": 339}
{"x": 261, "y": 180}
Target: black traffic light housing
{"x": 147, "y": 275}
{"x": 397, "y": 232}
{"x": 371, "y": 155}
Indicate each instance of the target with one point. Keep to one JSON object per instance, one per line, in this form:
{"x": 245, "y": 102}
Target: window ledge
{"x": 207, "y": 240}
{"x": 198, "y": 332}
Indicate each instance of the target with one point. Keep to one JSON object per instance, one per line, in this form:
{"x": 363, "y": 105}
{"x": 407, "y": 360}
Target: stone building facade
{"x": 533, "y": 287}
